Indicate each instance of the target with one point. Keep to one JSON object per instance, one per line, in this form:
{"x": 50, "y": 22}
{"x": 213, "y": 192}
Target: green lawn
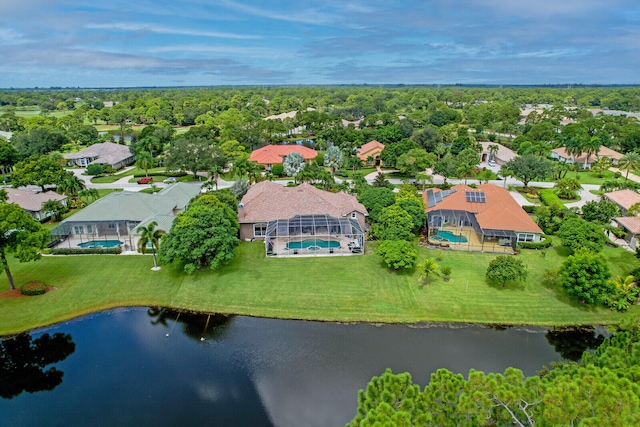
{"x": 343, "y": 289}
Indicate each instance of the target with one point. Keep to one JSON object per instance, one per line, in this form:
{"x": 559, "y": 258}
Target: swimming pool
{"x": 448, "y": 235}
{"x": 100, "y": 244}
{"x": 313, "y": 245}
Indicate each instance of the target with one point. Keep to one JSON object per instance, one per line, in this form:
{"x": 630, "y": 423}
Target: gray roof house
{"x": 113, "y": 219}
{"x": 105, "y": 153}
{"x": 32, "y": 201}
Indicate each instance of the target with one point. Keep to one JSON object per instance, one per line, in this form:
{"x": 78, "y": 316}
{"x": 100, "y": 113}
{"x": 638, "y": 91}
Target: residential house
{"x": 272, "y": 154}
{"x": 502, "y": 156}
{"x": 116, "y": 216}
{"x": 625, "y": 199}
{"x": 371, "y": 149}
{"x": 562, "y": 155}
{"x": 106, "y": 153}
{"x": 484, "y": 219}
{"x": 302, "y": 220}
{"x": 33, "y": 201}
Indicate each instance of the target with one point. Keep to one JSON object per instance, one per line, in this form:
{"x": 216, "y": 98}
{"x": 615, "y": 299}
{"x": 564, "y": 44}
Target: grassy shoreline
{"x": 334, "y": 289}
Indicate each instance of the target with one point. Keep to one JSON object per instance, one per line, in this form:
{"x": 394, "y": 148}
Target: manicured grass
{"x": 343, "y": 289}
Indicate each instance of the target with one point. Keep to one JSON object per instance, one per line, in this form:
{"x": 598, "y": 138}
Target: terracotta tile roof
{"x": 271, "y": 154}
{"x": 267, "y": 201}
{"x": 631, "y": 223}
{"x": 603, "y": 152}
{"x": 30, "y": 200}
{"x": 624, "y": 198}
{"x": 499, "y": 212}
{"x": 362, "y": 152}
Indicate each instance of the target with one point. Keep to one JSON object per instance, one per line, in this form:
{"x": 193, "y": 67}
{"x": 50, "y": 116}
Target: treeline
{"x": 600, "y": 389}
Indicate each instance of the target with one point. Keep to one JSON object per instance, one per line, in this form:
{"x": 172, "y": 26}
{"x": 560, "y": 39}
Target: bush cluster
{"x": 551, "y": 199}
{"x": 529, "y": 208}
{"x": 33, "y": 288}
{"x": 86, "y": 251}
{"x": 537, "y": 245}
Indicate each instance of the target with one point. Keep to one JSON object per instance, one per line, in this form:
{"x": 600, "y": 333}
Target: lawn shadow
{"x": 509, "y": 286}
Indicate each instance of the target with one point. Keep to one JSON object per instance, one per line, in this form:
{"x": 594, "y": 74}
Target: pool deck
{"x": 473, "y": 244}
{"x": 280, "y": 247}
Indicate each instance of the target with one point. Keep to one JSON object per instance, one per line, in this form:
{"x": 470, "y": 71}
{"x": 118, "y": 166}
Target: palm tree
{"x": 89, "y": 193}
{"x": 630, "y": 163}
{"x": 574, "y": 148}
{"x": 423, "y": 178}
{"x": 144, "y": 161}
{"x": 71, "y": 185}
{"x": 493, "y": 150}
{"x": 627, "y": 286}
{"x": 428, "y": 267}
{"x": 591, "y": 147}
{"x": 150, "y": 234}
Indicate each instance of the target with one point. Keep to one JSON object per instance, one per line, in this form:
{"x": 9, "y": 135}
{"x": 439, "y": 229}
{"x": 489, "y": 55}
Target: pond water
{"x": 132, "y": 367}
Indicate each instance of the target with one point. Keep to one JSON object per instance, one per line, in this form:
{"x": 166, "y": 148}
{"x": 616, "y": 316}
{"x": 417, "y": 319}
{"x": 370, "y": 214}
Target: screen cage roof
{"x": 313, "y": 224}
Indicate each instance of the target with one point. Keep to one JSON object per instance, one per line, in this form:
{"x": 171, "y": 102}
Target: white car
{"x": 170, "y": 180}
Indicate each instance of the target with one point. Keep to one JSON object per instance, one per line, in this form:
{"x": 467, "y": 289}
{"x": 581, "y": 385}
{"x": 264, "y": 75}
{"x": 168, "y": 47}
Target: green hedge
{"x": 86, "y": 251}
{"x": 550, "y": 198}
{"x": 529, "y": 208}
{"x": 536, "y": 245}
{"x": 33, "y": 288}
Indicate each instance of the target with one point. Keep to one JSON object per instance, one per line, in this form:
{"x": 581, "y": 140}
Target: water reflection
{"x": 198, "y": 326}
{"x": 23, "y": 363}
{"x": 571, "y": 342}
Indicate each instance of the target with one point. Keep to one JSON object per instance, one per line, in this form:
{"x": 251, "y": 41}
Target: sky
{"x": 132, "y": 43}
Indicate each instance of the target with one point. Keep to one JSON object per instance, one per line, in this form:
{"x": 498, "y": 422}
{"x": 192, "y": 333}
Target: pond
{"x": 132, "y": 367}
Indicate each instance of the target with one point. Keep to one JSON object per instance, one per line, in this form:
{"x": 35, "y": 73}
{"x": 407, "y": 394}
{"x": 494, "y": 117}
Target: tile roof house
{"x": 118, "y": 214}
{"x": 371, "y": 149}
{"x": 267, "y": 206}
{"x": 562, "y": 155}
{"x": 625, "y": 199}
{"x": 485, "y": 218}
{"x": 272, "y": 154}
{"x": 32, "y": 201}
{"x": 105, "y": 153}
{"x": 502, "y": 156}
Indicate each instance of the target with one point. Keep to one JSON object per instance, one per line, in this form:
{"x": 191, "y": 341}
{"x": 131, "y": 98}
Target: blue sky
{"x": 89, "y": 43}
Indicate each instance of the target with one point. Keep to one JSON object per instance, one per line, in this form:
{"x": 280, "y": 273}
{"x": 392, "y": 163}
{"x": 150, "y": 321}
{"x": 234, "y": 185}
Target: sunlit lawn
{"x": 344, "y": 289}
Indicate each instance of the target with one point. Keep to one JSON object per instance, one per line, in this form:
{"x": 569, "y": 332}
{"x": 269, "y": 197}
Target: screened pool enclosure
{"x": 313, "y": 235}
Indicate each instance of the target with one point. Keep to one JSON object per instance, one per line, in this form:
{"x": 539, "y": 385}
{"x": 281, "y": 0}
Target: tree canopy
{"x": 20, "y": 235}
{"x": 204, "y": 235}
{"x": 528, "y": 168}
{"x": 506, "y": 268}
{"x": 577, "y": 233}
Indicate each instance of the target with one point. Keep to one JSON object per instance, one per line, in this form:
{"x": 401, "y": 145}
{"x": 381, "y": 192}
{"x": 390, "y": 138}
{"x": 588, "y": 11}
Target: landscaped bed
{"x": 343, "y": 289}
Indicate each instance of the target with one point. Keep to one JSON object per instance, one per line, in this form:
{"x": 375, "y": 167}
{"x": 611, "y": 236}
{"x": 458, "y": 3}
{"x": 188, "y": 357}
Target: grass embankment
{"x": 342, "y": 289}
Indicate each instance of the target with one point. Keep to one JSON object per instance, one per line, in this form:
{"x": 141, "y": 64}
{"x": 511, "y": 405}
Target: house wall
{"x": 246, "y": 232}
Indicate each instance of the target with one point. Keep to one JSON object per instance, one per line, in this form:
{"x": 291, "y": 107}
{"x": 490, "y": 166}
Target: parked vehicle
{"x": 170, "y": 180}
{"x": 145, "y": 180}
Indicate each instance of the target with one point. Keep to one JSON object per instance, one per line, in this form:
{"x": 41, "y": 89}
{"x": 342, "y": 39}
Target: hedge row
{"x": 86, "y": 251}
{"x": 551, "y": 199}
{"x": 537, "y": 245}
{"x": 529, "y": 208}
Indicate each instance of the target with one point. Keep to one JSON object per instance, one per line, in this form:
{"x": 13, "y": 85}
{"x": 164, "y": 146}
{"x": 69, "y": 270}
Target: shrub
{"x": 33, "y": 288}
{"x": 551, "y": 199}
{"x": 529, "y": 208}
{"x": 86, "y": 251}
{"x": 537, "y": 245}
{"x": 95, "y": 169}
{"x": 446, "y": 272}
{"x": 277, "y": 169}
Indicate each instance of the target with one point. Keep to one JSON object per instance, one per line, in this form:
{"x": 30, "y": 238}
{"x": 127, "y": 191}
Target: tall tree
{"x": 20, "y": 235}
{"x": 506, "y": 268}
{"x": 150, "y": 234}
{"x": 38, "y": 170}
{"x": 333, "y": 158}
{"x": 629, "y": 163}
{"x": 528, "y": 168}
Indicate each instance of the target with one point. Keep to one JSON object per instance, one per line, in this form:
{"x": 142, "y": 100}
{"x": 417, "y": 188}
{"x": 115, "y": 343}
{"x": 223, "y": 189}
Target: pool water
{"x": 313, "y": 245}
{"x": 100, "y": 244}
{"x": 454, "y": 238}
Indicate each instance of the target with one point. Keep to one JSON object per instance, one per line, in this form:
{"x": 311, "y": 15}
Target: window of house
{"x": 259, "y": 229}
{"x": 353, "y": 215}
{"x": 112, "y": 226}
{"x": 78, "y": 229}
{"x": 525, "y": 237}
{"x": 89, "y": 228}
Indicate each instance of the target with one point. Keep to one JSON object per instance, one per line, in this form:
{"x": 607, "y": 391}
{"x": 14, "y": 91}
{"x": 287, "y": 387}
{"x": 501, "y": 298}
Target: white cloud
{"x": 159, "y": 29}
